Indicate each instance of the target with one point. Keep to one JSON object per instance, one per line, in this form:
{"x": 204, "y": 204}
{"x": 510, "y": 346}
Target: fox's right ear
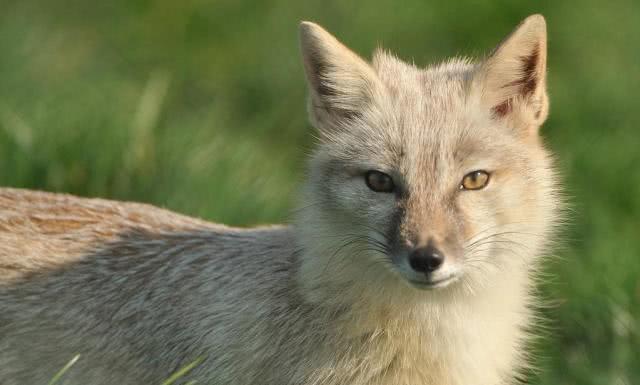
{"x": 341, "y": 84}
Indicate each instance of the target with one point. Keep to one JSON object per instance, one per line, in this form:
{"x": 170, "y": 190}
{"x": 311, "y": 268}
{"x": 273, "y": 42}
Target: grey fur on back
{"x": 123, "y": 285}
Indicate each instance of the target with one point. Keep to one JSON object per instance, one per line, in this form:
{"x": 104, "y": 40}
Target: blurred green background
{"x": 200, "y": 107}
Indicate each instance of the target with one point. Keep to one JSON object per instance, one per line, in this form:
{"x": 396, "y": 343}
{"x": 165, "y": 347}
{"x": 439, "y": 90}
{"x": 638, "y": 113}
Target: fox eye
{"x": 475, "y": 180}
{"x": 379, "y": 181}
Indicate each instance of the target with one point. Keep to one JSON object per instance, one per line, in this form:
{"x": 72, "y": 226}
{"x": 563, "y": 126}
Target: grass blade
{"x": 62, "y": 371}
{"x": 176, "y": 376}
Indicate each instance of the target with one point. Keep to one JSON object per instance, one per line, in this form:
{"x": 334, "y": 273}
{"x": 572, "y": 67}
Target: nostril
{"x": 426, "y": 259}
{"x": 434, "y": 261}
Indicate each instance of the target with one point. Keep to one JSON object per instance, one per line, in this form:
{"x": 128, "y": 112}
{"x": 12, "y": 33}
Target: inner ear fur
{"x": 512, "y": 81}
{"x": 341, "y": 84}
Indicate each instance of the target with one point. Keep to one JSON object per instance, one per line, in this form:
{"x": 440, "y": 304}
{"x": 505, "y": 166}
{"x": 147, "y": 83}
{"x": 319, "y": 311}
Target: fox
{"x": 411, "y": 256}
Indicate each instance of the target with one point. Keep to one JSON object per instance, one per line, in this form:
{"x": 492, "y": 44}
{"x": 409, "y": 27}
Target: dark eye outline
{"x": 471, "y": 175}
{"x": 391, "y": 188}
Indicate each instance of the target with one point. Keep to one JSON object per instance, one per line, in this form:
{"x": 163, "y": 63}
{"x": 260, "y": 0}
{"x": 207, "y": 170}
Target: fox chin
{"x": 429, "y": 203}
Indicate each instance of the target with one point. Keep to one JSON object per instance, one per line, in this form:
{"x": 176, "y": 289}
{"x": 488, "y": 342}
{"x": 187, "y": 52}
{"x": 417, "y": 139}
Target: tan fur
{"x": 140, "y": 292}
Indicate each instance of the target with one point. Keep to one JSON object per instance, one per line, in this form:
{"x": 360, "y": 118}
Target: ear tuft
{"x": 313, "y": 40}
{"x": 341, "y": 84}
{"x": 512, "y": 81}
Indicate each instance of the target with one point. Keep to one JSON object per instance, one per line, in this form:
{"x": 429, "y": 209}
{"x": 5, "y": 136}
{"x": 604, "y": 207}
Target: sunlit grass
{"x": 58, "y": 376}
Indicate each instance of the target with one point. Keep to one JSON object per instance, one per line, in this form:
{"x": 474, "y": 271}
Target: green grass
{"x": 200, "y": 107}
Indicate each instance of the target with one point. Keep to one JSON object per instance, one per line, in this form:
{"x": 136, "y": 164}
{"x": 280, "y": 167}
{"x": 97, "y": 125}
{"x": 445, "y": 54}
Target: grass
{"x": 199, "y": 107}
{"x": 58, "y": 376}
{"x": 173, "y": 379}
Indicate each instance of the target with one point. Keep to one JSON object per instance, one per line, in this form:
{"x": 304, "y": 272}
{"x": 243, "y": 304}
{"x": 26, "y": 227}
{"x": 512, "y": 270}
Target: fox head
{"x": 425, "y": 178}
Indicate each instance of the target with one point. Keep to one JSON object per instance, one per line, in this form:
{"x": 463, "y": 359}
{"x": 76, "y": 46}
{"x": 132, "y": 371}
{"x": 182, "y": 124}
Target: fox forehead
{"x": 423, "y": 123}
{"x": 424, "y": 105}
{"x": 405, "y": 80}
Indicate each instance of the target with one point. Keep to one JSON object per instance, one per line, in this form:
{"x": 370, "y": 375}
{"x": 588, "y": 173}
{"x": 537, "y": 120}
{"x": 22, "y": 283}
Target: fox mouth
{"x": 435, "y": 280}
{"x": 431, "y": 284}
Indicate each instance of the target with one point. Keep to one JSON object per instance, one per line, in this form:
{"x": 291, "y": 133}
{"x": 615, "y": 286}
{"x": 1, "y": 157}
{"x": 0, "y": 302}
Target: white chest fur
{"x": 472, "y": 341}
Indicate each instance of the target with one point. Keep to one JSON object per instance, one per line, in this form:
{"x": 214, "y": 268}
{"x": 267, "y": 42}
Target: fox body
{"x": 429, "y": 202}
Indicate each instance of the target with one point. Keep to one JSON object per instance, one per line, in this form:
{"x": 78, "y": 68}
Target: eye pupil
{"x": 379, "y": 181}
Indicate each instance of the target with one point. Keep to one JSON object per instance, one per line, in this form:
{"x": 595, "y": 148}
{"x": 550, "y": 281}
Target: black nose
{"x": 426, "y": 259}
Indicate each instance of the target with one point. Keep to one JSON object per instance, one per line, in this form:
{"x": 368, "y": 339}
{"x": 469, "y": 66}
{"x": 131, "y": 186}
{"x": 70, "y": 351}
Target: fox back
{"x": 411, "y": 259}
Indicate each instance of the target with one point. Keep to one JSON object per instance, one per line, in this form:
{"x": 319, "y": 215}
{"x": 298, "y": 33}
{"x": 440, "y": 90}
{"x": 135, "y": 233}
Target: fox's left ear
{"x": 512, "y": 81}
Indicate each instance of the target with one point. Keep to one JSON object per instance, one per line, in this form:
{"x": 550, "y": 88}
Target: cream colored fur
{"x": 139, "y": 292}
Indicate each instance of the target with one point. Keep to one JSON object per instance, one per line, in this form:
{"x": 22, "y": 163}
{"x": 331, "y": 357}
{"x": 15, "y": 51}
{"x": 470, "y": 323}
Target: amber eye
{"x": 475, "y": 180}
{"x": 379, "y": 181}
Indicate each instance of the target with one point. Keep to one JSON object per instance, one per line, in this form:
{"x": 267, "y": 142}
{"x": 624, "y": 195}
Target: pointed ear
{"x": 512, "y": 81}
{"x": 341, "y": 84}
